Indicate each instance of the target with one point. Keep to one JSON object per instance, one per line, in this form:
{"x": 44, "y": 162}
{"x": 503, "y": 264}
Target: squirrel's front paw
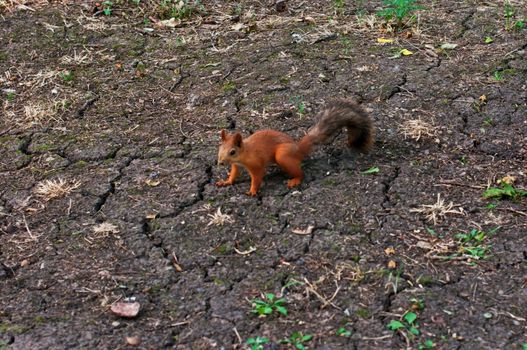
{"x": 223, "y": 183}
{"x": 251, "y": 193}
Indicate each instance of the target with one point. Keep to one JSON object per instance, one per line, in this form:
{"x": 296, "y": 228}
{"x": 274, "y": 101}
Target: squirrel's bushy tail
{"x": 337, "y": 115}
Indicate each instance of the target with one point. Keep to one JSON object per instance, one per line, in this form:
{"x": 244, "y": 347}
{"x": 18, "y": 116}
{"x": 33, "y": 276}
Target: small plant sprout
{"x": 338, "y": 6}
{"x": 67, "y": 76}
{"x": 299, "y": 104}
{"x": 343, "y": 332}
{"x": 439, "y": 209}
{"x": 406, "y": 324}
{"x": 400, "y": 11}
{"x": 428, "y": 344}
{"x": 271, "y": 303}
{"x": 49, "y": 189}
{"x": 257, "y": 343}
{"x": 370, "y": 171}
{"x": 297, "y": 339}
{"x": 219, "y": 218}
{"x": 107, "y": 8}
{"x": 511, "y": 23}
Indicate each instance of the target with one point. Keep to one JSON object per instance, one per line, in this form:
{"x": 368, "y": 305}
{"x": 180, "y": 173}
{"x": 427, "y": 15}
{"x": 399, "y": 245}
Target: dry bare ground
{"x": 109, "y": 130}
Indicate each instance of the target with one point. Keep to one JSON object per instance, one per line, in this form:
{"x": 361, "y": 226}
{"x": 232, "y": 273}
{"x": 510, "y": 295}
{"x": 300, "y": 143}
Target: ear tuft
{"x": 223, "y": 135}
{"x": 238, "y": 139}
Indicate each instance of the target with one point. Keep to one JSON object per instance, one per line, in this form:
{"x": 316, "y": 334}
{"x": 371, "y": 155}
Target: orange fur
{"x": 265, "y": 147}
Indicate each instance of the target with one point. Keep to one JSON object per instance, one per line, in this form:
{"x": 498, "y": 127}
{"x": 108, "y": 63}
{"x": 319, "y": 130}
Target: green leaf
{"x": 270, "y": 296}
{"x": 395, "y": 325}
{"x": 488, "y": 40}
{"x": 372, "y": 170}
{"x": 281, "y": 310}
{"x": 429, "y": 343}
{"x": 267, "y": 310}
{"x": 524, "y": 346}
{"x": 410, "y": 317}
{"x": 343, "y": 332}
{"x": 307, "y": 337}
{"x": 280, "y": 302}
{"x": 414, "y": 330}
{"x": 299, "y": 346}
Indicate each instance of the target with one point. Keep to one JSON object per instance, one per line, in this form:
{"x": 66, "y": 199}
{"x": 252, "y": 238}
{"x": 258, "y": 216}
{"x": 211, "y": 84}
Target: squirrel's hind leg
{"x": 287, "y": 158}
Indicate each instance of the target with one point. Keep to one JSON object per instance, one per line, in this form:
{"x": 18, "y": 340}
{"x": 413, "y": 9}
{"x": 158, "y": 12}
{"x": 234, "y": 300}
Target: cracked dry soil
{"x": 133, "y": 115}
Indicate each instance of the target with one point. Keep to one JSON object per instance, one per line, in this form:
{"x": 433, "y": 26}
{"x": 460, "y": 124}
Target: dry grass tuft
{"x": 36, "y": 114}
{"x": 104, "y": 229}
{"x": 417, "y": 129}
{"x": 77, "y": 58}
{"x": 219, "y": 219}
{"x": 49, "y": 189}
{"x": 438, "y": 209}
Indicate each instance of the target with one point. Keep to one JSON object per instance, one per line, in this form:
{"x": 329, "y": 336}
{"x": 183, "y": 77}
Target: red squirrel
{"x": 264, "y": 147}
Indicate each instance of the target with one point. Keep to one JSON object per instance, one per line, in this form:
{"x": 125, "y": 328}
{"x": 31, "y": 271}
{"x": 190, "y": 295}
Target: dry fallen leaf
{"x": 424, "y": 245}
{"x": 151, "y": 216}
{"x": 245, "y": 252}
{"x": 133, "y": 341}
{"x": 24, "y": 263}
{"x": 169, "y": 23}
{"x": 384, "y": 41}
{"x": 124, "y": 309}
{"x": 509, "y": 180}
{"x": 307, "y": 231}
{"x": 392, "y": 264}
{"x": 152, "y": 182}
{"x": 389, "y": 251}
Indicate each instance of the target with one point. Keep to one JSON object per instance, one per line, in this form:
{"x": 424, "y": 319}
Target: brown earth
{"x": 127, "y": 113}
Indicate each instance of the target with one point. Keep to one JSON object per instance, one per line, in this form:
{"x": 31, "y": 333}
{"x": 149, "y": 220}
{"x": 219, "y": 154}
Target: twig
{"x": 27, "y": 228}
{"x": 512, "y": 210}
{"x": 448, "y": 183}
{"x": 311, "y": 288}
{"x": 240, "y": 341}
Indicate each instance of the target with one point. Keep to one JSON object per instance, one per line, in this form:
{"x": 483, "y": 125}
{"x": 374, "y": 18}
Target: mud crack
{"x": 87, "y": 105}
{"x": 397, "y": 88}
{"x": 387, "y": 202}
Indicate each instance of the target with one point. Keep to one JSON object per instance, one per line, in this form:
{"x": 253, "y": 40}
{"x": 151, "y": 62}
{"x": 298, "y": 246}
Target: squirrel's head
{"x": 230, "y": 148}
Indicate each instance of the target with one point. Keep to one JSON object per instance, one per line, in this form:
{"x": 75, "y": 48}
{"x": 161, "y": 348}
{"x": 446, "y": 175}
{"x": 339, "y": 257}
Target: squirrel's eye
{"x": 232, "y": 152}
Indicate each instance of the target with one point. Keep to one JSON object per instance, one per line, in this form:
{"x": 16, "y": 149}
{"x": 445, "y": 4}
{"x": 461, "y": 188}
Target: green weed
{"x": 107, "y": 8}
{"x": 67, "y": 76}
{"x": 257, "y": 343}
{"x": 372, "y": 170}
{"x": 297, "y": 339}
{"x": 428, "y": 344}
{"x": 511, "y": 23}
{"x": 338, "y": 6}
{"x": 343, "y": 332}
{"x": 299, "y": 104}
{"x": 181, "y": 9}
{"x": 505, "y": 191}
{"x": 266, "y": 307}
{"x": 228, "y": 87}
{"x": 406, "y": 324}
{"x": 399, "y": 10}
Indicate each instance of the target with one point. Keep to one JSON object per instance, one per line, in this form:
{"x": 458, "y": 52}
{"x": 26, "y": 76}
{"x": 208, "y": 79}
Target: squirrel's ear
{"x": 238, "y": 139}
{"x": 223, "y": 135}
